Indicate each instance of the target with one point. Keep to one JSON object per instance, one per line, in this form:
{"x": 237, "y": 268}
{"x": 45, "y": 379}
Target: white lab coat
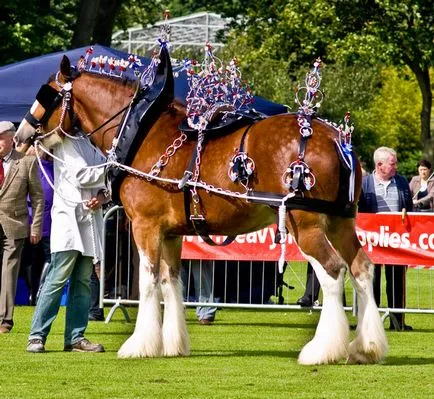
{"x": 71, "y": 220}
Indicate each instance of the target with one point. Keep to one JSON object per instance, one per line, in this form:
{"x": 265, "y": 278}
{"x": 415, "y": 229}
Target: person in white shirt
{"x": 75, "y": 244}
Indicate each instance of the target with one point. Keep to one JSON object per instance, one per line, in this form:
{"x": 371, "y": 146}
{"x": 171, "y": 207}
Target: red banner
{"x": 386, "y": 238}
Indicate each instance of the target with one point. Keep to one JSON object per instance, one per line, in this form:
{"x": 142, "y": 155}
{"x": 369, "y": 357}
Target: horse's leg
{"x": 175, "y": 336}
{"x": 370, "y": 343}
{"x": 330, "y": 343}
{"x": 146, "y": 340}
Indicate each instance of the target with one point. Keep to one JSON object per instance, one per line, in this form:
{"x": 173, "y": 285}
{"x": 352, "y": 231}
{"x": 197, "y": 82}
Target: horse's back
{"x": 272, "y": 143}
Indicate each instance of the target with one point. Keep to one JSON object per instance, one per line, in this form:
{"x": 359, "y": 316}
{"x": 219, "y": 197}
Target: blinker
{"x": 46, "y": 96}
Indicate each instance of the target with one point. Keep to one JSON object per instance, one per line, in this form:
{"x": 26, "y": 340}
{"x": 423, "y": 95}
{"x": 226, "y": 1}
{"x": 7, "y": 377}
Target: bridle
{"x": 50, "y": 99}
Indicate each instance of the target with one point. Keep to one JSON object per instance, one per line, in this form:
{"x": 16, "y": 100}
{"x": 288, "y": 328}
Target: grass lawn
{"x": 245, "y": 354}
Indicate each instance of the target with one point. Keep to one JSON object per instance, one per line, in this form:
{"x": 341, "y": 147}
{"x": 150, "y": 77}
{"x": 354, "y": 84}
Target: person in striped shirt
{"x": 384, "y": 190}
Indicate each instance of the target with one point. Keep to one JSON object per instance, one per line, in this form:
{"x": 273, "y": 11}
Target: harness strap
{"x": 331, "y": 208}
{"x": 31, "y": 120}
{"x": 198, "y": 223}
{"x": 243, "y": 138}
{"x": 306, "y": 133}
{"x": 188, "y": 173}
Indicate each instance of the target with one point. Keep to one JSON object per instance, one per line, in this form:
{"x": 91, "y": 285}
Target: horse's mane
{"x": 124, "y": 80}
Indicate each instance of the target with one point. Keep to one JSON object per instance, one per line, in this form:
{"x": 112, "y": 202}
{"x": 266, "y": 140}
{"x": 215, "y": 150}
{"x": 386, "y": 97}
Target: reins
{"x": 117, "y": 113}
{"x": 108, "y": 121}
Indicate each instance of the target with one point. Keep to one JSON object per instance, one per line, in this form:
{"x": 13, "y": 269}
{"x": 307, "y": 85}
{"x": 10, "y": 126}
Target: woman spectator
{"x": 422, "y": 188}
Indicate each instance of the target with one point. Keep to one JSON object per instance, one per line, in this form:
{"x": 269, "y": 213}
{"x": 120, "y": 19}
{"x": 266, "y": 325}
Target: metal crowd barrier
{"x": 235, "y": 284}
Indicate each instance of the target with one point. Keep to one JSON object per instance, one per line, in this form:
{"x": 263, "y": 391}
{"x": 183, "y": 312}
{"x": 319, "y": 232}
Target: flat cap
{"x": 6, "y": 126}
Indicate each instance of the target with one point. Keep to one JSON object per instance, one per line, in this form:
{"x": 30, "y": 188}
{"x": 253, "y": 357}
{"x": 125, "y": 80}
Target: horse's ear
{"x": 65, "y": 66}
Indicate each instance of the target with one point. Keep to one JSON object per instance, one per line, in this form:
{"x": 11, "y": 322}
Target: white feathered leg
{"x": 146, "y": 340}
{"x": 175, "y": 336}
{"x": 330, "y": 342}
{"x": 370, "y": 343}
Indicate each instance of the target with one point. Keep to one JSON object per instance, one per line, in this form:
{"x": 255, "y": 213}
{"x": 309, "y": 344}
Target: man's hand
{"x": 35, "y": 238}
{"x": 31, "y": 150}
{"x": 96, "y": 202}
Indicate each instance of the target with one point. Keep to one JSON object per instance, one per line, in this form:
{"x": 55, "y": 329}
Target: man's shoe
{"x": 304, "y": 302}
{"x": 95, "y": 317}
{"x": 35, "y": 345}
{"x": 83, "y": 346}
{"x": 4, "y": 330}
{"x": 205, "y": 322}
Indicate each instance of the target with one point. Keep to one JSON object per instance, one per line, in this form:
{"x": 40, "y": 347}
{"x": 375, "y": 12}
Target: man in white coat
{"x": 75, "y": 244}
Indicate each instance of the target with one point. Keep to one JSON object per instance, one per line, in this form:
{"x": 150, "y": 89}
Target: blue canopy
{"x": 19, "y": 82}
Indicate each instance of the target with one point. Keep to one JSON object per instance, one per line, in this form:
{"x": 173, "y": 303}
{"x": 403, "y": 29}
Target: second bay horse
{"x": 156, "y": 210}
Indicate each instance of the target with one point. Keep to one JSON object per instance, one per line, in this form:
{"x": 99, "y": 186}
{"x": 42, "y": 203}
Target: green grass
{"x": 245, "y": 354}
{"x": 420, "y": 287}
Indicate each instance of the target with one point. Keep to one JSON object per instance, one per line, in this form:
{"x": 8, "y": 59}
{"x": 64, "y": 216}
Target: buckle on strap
{"x": 197, "y": 218}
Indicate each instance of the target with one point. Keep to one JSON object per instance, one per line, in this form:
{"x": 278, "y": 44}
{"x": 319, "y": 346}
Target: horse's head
{"x": 50, "y": 114}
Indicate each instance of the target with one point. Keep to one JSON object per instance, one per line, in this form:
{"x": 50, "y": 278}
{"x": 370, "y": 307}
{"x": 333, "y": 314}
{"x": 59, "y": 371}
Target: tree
{"x": 105, "y": 22}
{"x": 87, "y": 14}
{"x": 405, "y": 30}
{"x": 98, "y": 19}
{"x": 359, "y": 33}
{"x": 29, "y": 28}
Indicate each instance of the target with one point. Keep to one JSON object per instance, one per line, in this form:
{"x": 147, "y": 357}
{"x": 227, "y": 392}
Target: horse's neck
{"x": 99, "y": 101}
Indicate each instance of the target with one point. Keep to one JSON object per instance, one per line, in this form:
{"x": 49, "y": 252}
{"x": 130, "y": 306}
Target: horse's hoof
{"x": 127, "y": 354}
{"x": 362, "y": 358}
{"x": 366, "y": 353}
{"x": 311, "y": 361}
{"x": 134, "y": 348}
{"x": 319, "y": 352}
{"x": 185, "y": 352}
{"x": 356, "y": 358}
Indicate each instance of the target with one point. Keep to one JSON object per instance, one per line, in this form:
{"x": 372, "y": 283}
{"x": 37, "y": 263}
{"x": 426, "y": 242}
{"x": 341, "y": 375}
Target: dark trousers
{"x": 312, "y": 284}
{"x": 33, "y": 260}
{"x": 395, "y": 287}
{"x": 94, "y": 310}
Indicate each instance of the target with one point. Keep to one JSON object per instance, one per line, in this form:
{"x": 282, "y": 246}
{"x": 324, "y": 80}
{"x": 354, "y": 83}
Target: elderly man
{"x": 386, "y": 191}
{"x": 18, "y": 178}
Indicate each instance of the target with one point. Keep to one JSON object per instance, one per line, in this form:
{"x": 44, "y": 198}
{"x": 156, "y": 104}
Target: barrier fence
{"x": 244, "y": 274}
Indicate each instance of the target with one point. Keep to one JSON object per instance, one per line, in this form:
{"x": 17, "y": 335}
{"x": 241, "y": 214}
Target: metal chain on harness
{"x": 170, "y": 152}
{"x": 194, "y": 194}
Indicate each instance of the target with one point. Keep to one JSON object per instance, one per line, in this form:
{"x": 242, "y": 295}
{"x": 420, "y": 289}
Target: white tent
{"x": 191, "y": 31}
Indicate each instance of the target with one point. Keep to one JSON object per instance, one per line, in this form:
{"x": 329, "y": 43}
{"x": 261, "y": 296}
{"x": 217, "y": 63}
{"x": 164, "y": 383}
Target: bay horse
{"x": 156, "y": 211}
